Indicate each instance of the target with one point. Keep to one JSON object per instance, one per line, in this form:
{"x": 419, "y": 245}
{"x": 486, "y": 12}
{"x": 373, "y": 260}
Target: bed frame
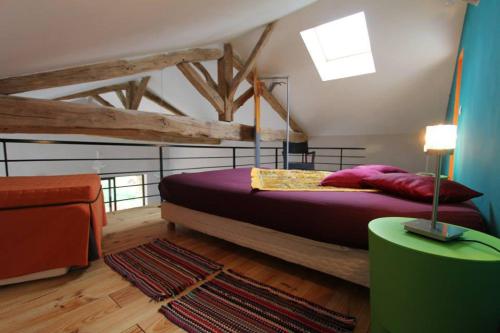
{"x": 347, "y": 263}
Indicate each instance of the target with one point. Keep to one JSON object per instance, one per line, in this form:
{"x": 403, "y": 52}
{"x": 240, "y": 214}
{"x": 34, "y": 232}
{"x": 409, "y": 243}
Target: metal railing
{"x": 161, "y": 160}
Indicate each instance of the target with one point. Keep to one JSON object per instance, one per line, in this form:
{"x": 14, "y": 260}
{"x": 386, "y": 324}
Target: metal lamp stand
{"x": 432, "y": 228}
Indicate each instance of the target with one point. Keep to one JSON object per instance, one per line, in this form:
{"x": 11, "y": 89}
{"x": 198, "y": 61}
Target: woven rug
{"x": 161, "y": 269}
{"x": 233, "y": 303}
{"x": 295, "y": 180}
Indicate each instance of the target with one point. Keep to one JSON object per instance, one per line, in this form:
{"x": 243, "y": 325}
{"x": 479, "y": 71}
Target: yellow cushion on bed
{"x": 294, "y": 180}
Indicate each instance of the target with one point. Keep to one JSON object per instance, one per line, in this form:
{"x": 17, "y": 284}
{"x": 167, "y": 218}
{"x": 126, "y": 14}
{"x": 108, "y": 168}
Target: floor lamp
{"x": 440, "y": 140}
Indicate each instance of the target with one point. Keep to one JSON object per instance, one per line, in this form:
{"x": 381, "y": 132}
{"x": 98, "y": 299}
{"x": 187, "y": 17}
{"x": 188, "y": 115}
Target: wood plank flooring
{"x": 98, "y": 300}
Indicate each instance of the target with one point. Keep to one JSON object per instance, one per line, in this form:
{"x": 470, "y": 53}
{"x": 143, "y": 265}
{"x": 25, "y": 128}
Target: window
{"x": 340, "y": 48}
{"x": 123, "y": 192}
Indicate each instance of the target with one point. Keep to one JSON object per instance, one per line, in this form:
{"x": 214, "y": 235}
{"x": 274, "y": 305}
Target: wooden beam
{"x": 130, "y": 93}
{"x": 139, "y": 92}
{"x": 250, "y": 63}
{"x": 149, "y": 94}
{"x": 103, "y": 70}
{"x": 211, "y": 95}
{"x": 269, "y": 97}
{"x": 29, "y": 115}
{"x": 225, "y": 77}
{"x": 238, "y": 103}
{"x": 102, "y": 101}
{"x": 93, "y": 92}
{"x": 256, "y": 88}
{"x": 121, "y": 96}
{"x": 206, "y": 75}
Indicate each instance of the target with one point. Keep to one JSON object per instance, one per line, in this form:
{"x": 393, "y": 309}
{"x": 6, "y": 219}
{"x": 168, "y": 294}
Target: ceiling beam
{"x": 238, "y": 103}
{"x": 206, "y": 75}
{"x": 121, "y": 97}
{"x": 210, "y": 94}
{"x": 103, "y": 70}
{"x": 92, "y": 92}
{"x": 102, "y": 101}
{"x": 28, "y": 115}
{"x": 139, "y": 93}
{"x": 252, "y": 59}
{"x": 225, "y": 78}
{"x": 149, "y": 94}
{"x": 269, "y": 97}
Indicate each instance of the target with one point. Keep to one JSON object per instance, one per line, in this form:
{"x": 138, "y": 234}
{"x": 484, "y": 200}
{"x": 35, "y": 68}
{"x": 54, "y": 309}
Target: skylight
{"x": 340, "y": 48}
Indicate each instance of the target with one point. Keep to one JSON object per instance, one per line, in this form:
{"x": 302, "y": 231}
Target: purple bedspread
{"x": 334, "y": 217}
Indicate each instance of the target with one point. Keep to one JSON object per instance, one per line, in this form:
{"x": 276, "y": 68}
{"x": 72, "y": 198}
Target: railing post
{"x": 160, "y": 156}
{"x": 276, "y": 158}
{"x": 341, "y": 157}
{"x": 6, "y": 159}
{"x": 114, "y": 194}
{"x": 234, "y": 157}
{"x": 143, "y": 191}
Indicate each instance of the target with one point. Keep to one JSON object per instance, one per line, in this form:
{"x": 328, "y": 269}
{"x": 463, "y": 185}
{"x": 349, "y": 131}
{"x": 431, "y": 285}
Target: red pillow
{"x": 350, "y": 178}
{"x": 382, "y": 168}
{"x": 420, "y": 188}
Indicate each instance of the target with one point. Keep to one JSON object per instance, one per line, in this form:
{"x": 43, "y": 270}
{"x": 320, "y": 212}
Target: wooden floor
{"x": 98, "y": 300}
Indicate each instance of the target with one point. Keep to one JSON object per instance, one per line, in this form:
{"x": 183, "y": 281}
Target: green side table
{"x": 426, "y": 286}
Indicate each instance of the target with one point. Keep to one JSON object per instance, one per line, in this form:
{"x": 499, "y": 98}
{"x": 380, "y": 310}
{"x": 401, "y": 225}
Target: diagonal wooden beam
{"x": 210, "y": 94}
{"x": 103, "y": 70}
{"x": 206, "y": 75}
{"x": 102, "y": 101}
{"x": 250, "y": 63}
{"x": 121, "y": 97}
{"x": 92, "y": 92}
{"x": 269, "y": 97}
{"x": 139, "y": 93}
{"x": 30, "y": 115}
{"x": 238, "y": 103}
{"x": 149, "y": 94}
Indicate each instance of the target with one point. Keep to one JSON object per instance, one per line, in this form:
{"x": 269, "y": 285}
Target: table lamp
{"x": 439, "y": 140}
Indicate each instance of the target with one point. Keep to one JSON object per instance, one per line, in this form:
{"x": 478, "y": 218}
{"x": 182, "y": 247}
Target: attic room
{"x": 250, "y": 166}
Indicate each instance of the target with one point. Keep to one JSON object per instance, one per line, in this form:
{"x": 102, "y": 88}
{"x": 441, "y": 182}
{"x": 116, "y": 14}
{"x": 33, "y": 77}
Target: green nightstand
{"x": 426, "y": 286}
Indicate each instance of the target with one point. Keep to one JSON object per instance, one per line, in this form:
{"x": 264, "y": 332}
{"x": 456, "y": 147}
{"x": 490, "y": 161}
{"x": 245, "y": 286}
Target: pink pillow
{"x": 350, "y": 178}
{"x": 382, "y": 168}
{"x": 420, "y": 188}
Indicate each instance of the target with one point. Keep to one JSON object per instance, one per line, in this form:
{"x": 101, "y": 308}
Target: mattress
{"x": 334, "y": 217}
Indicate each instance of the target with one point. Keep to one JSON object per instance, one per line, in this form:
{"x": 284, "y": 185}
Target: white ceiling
{"x": 39, "y": 35}
{"x": 414, "y": 45}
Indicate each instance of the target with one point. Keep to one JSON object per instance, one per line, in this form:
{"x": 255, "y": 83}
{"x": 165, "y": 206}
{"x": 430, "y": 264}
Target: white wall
{"x": 402, "y": 150}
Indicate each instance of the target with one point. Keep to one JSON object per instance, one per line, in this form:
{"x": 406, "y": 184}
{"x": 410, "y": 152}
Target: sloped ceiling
{"x": 414, "y": 45}
{"x": 40, "y": 35}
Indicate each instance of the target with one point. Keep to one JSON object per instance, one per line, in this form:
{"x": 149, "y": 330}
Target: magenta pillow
{"x": 350, "y": 178}
{"x": 382, "y": 168}
{"x": 420, "y": 188}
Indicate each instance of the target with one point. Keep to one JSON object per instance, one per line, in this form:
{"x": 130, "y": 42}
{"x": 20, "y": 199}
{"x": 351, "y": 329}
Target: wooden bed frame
{"x": 347, "y": 263}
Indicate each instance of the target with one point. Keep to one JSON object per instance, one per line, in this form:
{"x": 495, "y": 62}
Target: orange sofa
{"x": 49, "y": 224}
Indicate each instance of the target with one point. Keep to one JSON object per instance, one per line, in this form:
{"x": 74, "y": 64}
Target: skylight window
{"x": 340, "y": 48}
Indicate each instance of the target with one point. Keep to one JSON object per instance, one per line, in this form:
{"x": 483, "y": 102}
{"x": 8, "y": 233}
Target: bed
{"x": 49, "y": 224}
{"x": 326, "y": 231}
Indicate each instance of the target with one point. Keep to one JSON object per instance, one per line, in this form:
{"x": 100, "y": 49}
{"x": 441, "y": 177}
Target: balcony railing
{"x": 150, "y": 162}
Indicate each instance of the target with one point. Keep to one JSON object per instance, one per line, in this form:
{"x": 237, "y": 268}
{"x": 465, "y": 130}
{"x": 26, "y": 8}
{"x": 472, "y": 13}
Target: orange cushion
{"x": 47, "y": 190}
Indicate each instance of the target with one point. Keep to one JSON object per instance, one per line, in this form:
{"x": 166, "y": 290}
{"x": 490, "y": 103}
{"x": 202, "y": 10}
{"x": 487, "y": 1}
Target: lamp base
{"x": 443, "y": 231}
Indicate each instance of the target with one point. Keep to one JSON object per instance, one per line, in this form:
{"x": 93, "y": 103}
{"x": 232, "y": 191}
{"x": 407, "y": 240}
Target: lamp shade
{"x": 440, "y": 137}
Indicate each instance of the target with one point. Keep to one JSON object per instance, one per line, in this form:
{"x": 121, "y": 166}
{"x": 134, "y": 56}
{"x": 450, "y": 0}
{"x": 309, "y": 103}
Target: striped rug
{"x": 233, "y": 303}
{"x": 161, "y": 269}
